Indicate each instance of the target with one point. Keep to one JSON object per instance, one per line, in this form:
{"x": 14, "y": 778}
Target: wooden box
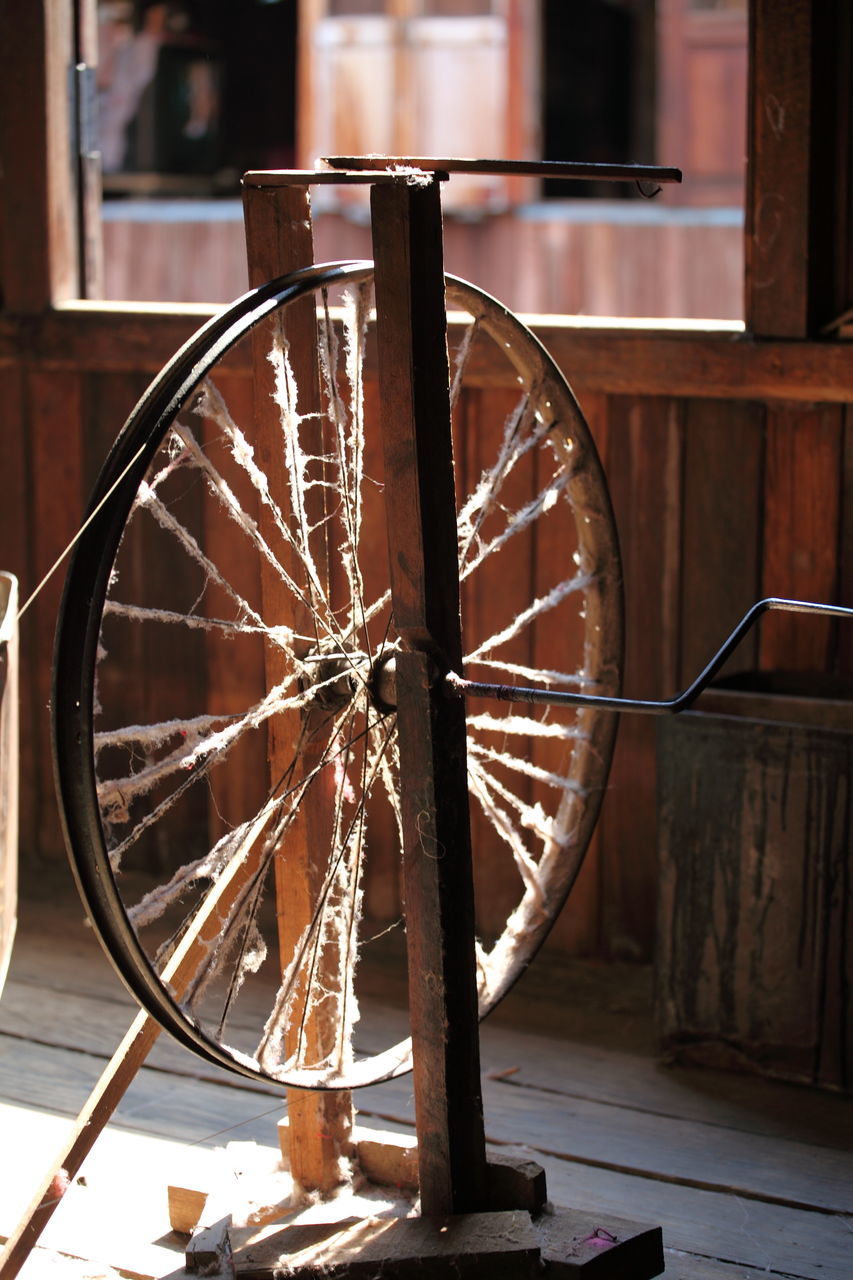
{"x": 755, "y": 949}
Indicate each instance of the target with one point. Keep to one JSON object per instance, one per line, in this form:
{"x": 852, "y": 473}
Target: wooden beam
{"x": 799, "y": 165}
{"x": 503, "y": 1246}
{"x": 572, "y": 169}
{"x": 420, "y": 511}
{"x": 802, "y": 531}
{"x": 524, "y": 90}
{"x": 308, "y": 14}
{"x": 777, "y": 229}
{"x": 279, "y": 239}
{"x": 701, "y": 362}
{"x": 696, "y": 359}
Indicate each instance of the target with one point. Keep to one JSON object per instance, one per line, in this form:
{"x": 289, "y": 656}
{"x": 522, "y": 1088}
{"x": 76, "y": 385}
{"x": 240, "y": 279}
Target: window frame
{"x": 799, "y": 268}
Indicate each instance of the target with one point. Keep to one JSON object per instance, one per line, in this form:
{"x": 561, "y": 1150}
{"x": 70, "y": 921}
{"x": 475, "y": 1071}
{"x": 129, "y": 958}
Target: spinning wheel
{"x": 229, "y": 608}
{"x": 163, "y": 714}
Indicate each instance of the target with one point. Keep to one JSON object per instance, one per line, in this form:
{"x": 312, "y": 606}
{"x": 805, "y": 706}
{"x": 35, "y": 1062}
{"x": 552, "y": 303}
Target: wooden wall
{"x": 728, "y": 467}
{"x": 701, "y": 75}
{"x": 575, "y": 258}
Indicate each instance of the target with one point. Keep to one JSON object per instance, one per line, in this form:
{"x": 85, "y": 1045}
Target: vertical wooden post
{"x": 89, "y": 238}
{"x": 37, "y": 185}
{"x": 420, "y": 506}
{"x": 797, "y": 229}
{"x": 279, "y": 239}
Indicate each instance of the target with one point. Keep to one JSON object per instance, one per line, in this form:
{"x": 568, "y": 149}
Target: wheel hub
{"x": 337, "y": 677}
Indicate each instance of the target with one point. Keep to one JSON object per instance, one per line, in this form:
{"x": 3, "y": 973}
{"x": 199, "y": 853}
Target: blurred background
{"x": 192, "y": 93}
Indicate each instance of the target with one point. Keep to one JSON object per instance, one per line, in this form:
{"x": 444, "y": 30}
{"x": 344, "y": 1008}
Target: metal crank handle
{"x": 462, "y": 688}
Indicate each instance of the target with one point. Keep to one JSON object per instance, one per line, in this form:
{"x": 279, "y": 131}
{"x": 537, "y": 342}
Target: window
{"x": 193, "y": 92}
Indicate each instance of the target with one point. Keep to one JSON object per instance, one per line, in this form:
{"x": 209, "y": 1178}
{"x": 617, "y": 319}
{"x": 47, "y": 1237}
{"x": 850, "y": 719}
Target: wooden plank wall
{"x": 718, "y": 503}
{"x": 720, "y": 497}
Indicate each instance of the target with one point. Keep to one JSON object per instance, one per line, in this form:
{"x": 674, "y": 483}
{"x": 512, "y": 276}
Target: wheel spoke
{"x": 312, "y": 597}
{"x": 485, "y": 790}
{"x": 524, "y": 726}
{"x": 522, "y": 766}
{"x": 348, "y": 430}
{"x": 283, "y": 636}
{"x": 538, "y": 675}
{"x": 460, "y": 360}
{"x": 212, "y": 406}
{"x": 149, "y": 501}
{"x": 270, "y": 1049}
{"x": 518, "y": 441}
{"x": 517, "y": 522}
{"x": 571, "y": 586}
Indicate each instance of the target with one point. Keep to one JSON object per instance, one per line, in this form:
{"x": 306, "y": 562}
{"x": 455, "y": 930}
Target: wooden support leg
{"x": 420, "y": 507}
{"x": 185, "y": 962}
{"x": 279, "y": 240}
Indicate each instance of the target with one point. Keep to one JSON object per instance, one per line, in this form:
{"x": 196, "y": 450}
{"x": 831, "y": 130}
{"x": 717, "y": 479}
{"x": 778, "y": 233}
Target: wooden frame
{"x": 716, "y": 360}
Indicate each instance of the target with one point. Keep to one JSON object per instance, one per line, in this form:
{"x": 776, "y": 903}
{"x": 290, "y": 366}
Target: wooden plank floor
{"x": 747, "y": 1177}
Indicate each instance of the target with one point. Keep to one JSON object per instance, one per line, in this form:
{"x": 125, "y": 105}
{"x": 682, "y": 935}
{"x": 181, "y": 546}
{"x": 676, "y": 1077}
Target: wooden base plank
{"x": 209, "y": 1252}
{"x": 466, "y": 1245}
{"x": 570, "y": 1246}
{"x": 584, "y": 1246}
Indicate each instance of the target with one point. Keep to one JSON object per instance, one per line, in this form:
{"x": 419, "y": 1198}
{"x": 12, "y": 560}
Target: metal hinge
{"x": 86, "y": 110}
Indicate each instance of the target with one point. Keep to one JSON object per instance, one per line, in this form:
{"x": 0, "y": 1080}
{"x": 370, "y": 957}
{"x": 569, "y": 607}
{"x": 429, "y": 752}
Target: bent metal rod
{"x": 462, "y": 688}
